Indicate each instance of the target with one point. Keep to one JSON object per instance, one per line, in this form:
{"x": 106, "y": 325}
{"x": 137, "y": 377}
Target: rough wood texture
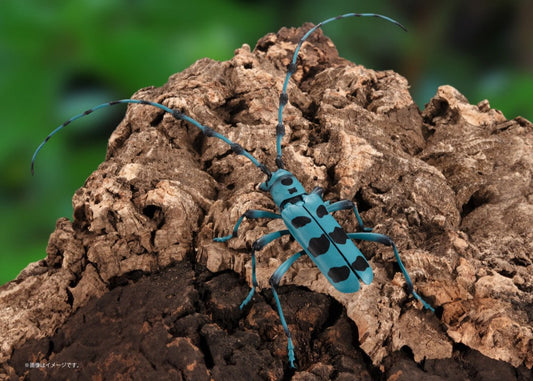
{"x": 452, "y": 185}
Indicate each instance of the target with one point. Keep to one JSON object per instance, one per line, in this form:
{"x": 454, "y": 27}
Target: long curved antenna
{"x": 235, "y": 147}
{"x": 291, "y": 68}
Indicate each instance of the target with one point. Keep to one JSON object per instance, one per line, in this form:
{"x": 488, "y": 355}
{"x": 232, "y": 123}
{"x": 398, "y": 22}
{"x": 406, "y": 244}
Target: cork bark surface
{"x": 134, "y": 286}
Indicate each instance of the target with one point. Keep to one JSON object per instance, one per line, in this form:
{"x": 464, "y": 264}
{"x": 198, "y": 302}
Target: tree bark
{"x": 134, "y": 285}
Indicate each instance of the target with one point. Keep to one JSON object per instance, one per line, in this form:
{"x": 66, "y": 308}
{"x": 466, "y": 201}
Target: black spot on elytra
{"x": 292, "y": 200}
{"x": 338, "y": 235}
{"x": 360, "y": 264}
{"x": 319, "y": 246}
{"x": 338, "y": 274}
{"x": 293, "y": 190}
{"x": 286, "y": 181}
{"x": 321, "y": 211}
{"x": 298, "y": 222}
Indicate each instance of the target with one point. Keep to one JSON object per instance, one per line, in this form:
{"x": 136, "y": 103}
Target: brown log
{"x": 135, "y": 287}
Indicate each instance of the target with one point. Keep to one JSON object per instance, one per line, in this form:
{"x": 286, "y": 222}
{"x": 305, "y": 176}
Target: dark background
{"x": 60, "y": 58}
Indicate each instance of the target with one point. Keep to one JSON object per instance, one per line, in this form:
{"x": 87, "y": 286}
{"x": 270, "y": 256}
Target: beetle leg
{"x": 252, "y": 213}
{"x": 318, "y": 190}
{"x": 274, "y": 282}
{"x": 256, "y": 246}
{"x": 344, "y": 205}
{"x": 387, "y": 241}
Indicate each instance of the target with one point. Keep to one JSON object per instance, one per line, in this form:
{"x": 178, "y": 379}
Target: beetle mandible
{"x": 307, "y": 216}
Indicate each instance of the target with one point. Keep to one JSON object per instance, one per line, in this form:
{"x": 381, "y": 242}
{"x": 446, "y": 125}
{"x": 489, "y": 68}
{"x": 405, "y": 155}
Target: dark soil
{"x": 185, "y": 324}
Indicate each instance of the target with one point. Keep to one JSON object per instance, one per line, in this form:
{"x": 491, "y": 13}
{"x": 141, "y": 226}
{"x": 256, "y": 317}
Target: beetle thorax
{"x": 283, "y": 186}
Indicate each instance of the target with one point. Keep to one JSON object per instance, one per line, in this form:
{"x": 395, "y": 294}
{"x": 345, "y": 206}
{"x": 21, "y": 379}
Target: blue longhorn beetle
{"x": 306, "y": 215}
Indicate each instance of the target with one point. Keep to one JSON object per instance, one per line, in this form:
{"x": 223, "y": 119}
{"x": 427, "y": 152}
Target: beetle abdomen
{"x": 326, "y": 243}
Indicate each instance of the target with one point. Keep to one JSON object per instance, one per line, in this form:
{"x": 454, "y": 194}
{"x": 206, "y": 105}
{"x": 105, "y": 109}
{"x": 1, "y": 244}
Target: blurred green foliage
{"x": 58, "y": 58}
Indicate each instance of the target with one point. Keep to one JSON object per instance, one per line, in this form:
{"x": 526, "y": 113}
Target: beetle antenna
{"x": 208, "y": 131}
{"x": 291, "y": 69}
